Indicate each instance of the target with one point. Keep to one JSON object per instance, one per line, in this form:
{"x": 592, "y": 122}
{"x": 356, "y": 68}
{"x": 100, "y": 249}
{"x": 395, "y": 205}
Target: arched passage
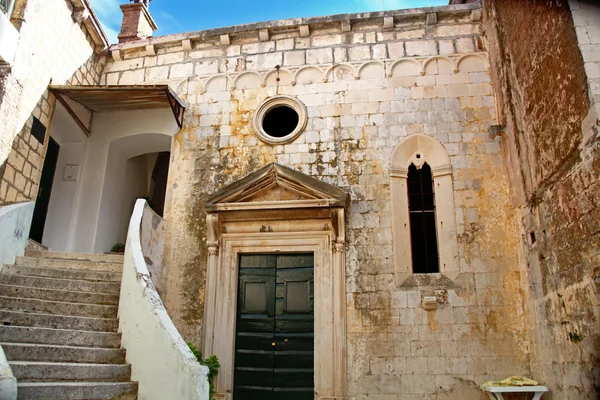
{"x": 128, "y": 175}
{"x": 116, "y": 138}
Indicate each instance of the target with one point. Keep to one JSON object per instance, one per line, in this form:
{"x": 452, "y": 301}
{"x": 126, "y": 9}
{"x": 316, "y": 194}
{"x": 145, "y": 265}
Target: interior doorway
{"x": 40, "y": 211}
{"x": 274, "y": 350}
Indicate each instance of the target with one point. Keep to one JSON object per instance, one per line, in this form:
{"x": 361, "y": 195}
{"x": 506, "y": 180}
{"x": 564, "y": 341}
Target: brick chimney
{"x": 137, "y": 22}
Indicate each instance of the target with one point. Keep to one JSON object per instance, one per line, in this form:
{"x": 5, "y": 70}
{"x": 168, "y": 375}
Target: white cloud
{"x": 111, "y": 34}
{"x": 169, "y": 19}
{"x": 106, "y": 8}
{"x": 110, "y": 16}
{"x": 379, "y": 5}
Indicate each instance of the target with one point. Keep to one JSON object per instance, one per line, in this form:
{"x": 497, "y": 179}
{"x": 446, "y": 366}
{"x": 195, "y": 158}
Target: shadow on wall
{"x": 135, "y": 168}
{"x": 145, "y": 177}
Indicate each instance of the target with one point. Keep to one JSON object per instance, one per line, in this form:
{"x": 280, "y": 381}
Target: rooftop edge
{"x": 293, "y": 23}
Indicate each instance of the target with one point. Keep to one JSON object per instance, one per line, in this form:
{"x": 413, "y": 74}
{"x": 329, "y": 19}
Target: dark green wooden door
{"x": 274, "y": 354}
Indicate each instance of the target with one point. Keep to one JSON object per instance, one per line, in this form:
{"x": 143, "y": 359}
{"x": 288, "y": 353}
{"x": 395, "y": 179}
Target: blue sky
{"x": 173, "y": 16}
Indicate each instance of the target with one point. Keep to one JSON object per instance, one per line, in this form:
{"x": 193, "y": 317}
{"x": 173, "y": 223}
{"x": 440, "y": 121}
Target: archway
{"x": 129, "y": 170}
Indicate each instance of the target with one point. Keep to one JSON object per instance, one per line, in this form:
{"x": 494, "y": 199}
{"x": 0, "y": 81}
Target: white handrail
{"x": 161, "y": 361}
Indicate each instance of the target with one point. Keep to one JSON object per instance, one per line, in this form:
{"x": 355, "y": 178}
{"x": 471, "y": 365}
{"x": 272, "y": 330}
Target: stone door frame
{"x": 243, "y": 219}
{"x": 329, "y": 345}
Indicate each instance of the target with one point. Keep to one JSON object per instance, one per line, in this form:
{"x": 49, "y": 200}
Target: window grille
{"x": 421, "y": 204}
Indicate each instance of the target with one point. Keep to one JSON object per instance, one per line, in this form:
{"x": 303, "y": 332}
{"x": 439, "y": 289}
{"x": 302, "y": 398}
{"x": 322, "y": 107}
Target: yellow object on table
{"x": 512, "y": 381}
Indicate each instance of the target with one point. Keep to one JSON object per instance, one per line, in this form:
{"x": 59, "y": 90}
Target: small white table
{"x": 495, "y": 392}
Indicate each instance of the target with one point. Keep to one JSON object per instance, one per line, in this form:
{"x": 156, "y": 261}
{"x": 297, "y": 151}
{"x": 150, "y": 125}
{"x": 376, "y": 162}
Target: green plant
{"x": 575, "y": 337}
{"x": 118, "y": 248}
{"x": 211, "y": 362}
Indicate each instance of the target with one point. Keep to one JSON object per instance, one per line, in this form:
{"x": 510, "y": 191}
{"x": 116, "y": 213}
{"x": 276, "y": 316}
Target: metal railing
{"x": 6, "y": 7}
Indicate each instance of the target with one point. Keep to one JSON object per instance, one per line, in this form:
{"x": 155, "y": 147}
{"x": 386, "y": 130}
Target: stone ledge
{"x": 342, "y": 20}
{"x": 386, "y": 69}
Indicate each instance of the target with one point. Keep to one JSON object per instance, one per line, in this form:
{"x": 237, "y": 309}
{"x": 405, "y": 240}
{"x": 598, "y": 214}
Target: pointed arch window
{"x": 423, "y": 219}
{"x": 421, "y": 206}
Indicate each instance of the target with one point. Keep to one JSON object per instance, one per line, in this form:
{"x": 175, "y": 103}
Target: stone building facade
{"x": 55, "y": 46}
{"x": 552, "y": 152}
{"x": 514, "y": 171}
{"x": 368, "y": 82}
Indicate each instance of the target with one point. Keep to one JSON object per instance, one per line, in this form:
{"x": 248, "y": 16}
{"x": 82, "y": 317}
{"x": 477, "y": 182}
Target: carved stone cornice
{"x": 308, "y": 26}
{"x": 309, "y": 191}
{"x": 389, "y": 68}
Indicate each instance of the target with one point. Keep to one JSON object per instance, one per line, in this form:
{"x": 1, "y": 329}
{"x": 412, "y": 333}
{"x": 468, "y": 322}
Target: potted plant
{"x": 118, "y": 248}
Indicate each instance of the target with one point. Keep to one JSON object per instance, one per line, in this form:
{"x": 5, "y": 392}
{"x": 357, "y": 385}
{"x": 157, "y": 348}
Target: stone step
{"x": 58, "y": 353}
{"x": 19, "y": 318}
{"x": 61, "y": 284}
{"x": 33, "y": 245}
{"x": 65, "y": 337}
{"x": 58, "y": 307}
{"x": 77, "y": 390}
{"x": 114, "y": 258}
{"x": 36, "y": 371}
{"x": 62, "y": 273}
{"x": 77, "y": 265}
{"x": 58, "y": 295}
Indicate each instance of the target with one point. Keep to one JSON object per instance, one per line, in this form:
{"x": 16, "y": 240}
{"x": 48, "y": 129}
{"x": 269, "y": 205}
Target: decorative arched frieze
{"x": 335, "y": 71}
{"x": 472, "y": 63}
{"x": 285, "y": 78}
{"x": 248, "y": 80}
{"x": 418, "y": 150}
{"x": 409, "y": 66}
{"x": 439, "y": 65}
{"x": 371, "y": 70}
{"x": 217, "y": 83}
{"x": 406, "y": 67}
{"x": 307, "y": 75}
{"x": 197, "y": 85}
{"x": 181, "y": 87}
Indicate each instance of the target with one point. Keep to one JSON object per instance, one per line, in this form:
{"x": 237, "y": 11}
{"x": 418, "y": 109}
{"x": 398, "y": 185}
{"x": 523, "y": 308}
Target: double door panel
{"x": 274, "y": 356}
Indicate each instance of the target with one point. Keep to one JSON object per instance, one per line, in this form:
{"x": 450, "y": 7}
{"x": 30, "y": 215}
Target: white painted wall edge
{"x": 9, "y": 39}
{"x": 15, "y": 222}
{"x": 160, "y": 359}
{"x": 8, "y": 382}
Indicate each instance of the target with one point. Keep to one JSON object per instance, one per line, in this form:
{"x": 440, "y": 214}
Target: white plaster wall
{"x": 15, "y": 221}
{"x": 116, "y": 137}
{"x": 137, "y": 172}
{"x": 72, "y": 142}
{"x": 9, "y": 38}
{"x": 51, "y": 47}
{"x": 62, "y": 199}
{"x": 160, "y": 359}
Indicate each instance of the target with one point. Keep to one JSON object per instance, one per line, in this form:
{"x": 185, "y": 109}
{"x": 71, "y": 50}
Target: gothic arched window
{"x": 421, "y": 207}
{"x": 423, "y": 219}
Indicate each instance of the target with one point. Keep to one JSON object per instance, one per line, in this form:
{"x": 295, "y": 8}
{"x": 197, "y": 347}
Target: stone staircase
{"x": 59, "y": 326}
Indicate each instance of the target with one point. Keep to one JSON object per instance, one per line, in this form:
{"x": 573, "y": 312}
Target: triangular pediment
{"x": 276, "y": 186}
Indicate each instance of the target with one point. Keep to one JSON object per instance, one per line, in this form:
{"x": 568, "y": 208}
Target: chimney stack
{"x": 137, "y": 22}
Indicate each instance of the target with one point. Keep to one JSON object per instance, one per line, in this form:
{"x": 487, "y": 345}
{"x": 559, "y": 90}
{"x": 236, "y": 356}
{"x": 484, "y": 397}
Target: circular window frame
{"x": 274, "y": 102}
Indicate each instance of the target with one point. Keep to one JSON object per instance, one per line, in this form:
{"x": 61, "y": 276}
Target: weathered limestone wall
{"x": 52, "y": 49}
{"x": 554, "y": 169}
{"x": 367, "y": 82}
